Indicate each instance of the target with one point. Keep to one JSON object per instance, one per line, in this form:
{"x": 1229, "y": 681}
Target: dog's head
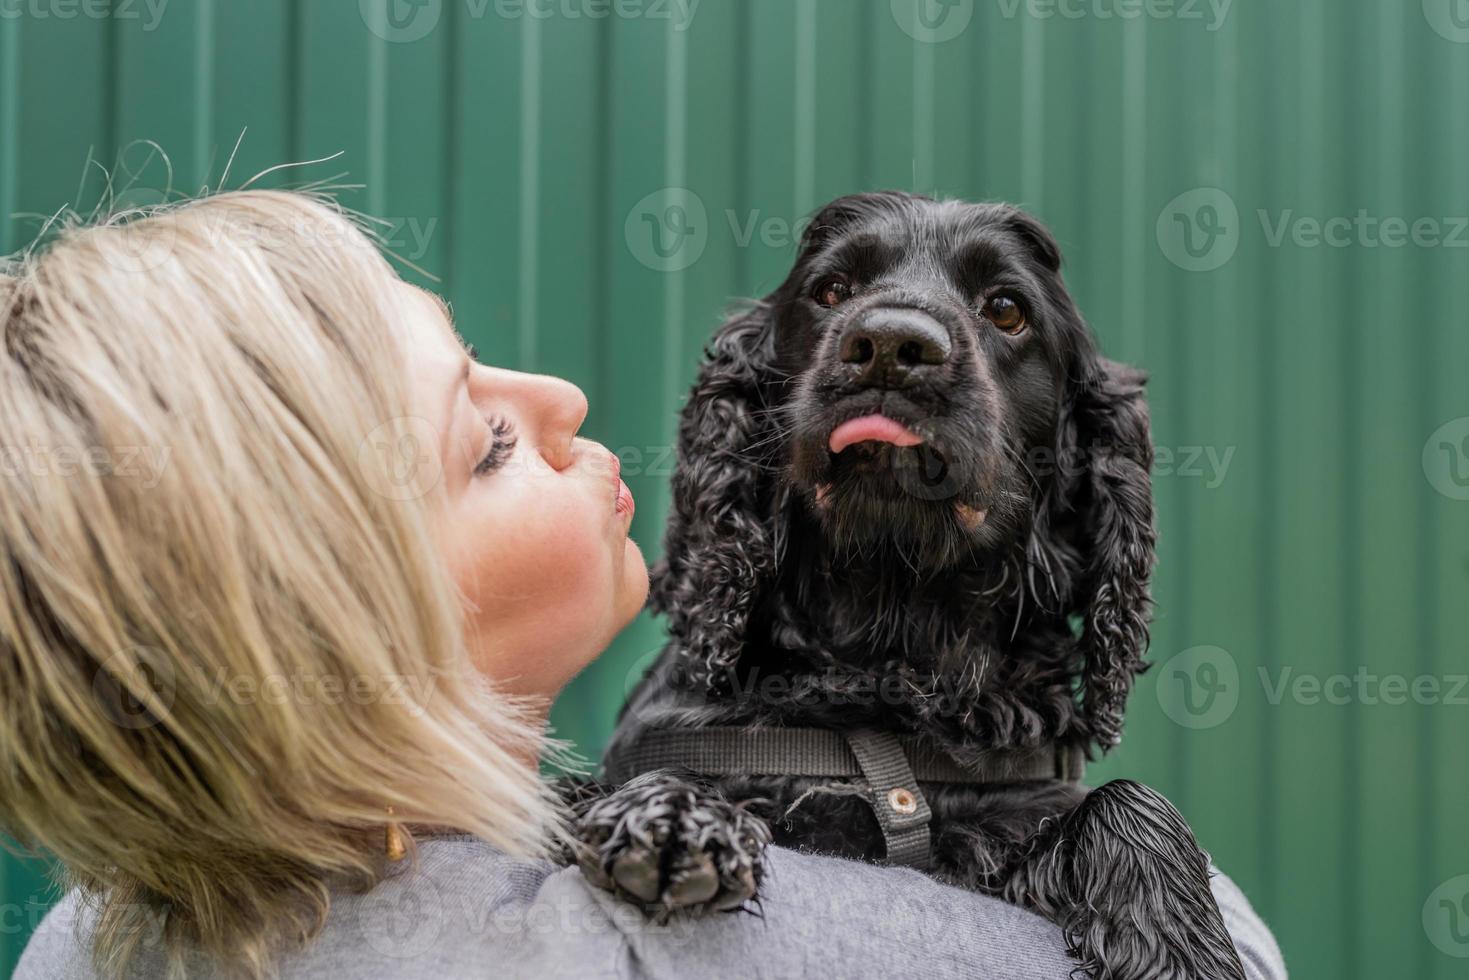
{"x": 923, "y": 390}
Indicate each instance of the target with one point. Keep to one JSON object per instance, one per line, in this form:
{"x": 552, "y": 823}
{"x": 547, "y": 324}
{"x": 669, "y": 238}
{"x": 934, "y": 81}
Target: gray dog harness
{"x": 886, "y": 767}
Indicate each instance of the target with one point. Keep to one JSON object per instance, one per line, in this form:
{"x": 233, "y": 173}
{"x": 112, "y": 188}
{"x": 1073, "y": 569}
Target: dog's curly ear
{"x": 1112, "y": 500}
{"x": 719, "y": 545}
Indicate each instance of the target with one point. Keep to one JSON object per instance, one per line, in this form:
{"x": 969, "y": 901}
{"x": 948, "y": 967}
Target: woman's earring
{"x": 393, "y": 839}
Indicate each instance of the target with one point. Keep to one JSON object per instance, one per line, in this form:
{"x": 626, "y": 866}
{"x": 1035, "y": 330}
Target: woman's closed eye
{"x": 502, "y": 444}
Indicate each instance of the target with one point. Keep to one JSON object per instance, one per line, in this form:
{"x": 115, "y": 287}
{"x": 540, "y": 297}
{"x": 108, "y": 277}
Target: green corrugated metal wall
{"x": 1326, "y": 535}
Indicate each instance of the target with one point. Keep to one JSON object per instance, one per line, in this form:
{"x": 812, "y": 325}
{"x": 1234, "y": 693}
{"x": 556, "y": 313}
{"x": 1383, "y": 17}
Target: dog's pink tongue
{"x": 871, "y": 428}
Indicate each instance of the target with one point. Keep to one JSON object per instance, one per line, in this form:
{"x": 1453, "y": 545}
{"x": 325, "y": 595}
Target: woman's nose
{"x": 558, "y": 408}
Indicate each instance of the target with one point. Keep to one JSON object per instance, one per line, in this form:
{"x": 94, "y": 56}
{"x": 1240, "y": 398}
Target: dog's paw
{"x": 672, "y": 848}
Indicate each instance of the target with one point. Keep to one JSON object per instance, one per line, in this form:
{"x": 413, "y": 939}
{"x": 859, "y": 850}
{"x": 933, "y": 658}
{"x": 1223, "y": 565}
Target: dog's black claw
{"x": 671, "y": 847}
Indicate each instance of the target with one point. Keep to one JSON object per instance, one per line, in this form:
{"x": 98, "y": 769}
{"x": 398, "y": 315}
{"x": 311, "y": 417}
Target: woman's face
{"x": 536, "y": 525}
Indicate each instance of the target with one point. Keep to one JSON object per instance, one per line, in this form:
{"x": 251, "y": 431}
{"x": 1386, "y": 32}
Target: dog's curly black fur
{"x": 987, "y": 587}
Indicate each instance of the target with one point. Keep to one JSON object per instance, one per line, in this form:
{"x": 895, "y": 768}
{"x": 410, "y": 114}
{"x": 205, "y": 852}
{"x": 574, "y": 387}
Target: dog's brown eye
{"x": 1005, "y": 312}
{"x": 833, "y": 291}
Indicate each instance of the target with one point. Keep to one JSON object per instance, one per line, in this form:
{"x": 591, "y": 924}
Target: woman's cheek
{"x": 553, "y": 553}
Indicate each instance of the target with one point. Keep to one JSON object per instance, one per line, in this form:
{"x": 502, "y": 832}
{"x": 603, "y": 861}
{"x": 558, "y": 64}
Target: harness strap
{"x": 892, "y": 790}
{"x": 891, "y": 766}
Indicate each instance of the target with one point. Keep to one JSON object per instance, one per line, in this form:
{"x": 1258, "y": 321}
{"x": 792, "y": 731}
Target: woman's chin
{"x": 634, "y": 591}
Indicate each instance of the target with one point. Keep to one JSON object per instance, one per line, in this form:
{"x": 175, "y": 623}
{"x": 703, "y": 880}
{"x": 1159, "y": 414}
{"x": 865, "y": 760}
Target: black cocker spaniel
{"x": 913, "y": 498}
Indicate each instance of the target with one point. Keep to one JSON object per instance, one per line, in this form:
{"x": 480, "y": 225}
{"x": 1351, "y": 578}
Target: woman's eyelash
{"x": 501, "y": 447}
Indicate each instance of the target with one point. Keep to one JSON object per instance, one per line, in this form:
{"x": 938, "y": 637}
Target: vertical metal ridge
{"x": 203, "y": 91}
{"x": 923, "y": 122}
{"x": 1445, "y": 781}
{"x": 1134, "y": 186}
{"x": 295, "y": 55}
{"x": 1267, "y": 525}
{"x": 530, "y": 191}
{"x": 1182, "y": 618}
{"x": 1033, "y": 113}
{"x": 605, "y": 227}
{"x": 804, "y": 142}
{"x": 377, "y": 123}
{"x": 675, "y": 171}
{"x": 1391, "y": 128}
{"x": 1352, "y": 584}
{"x": 866, "y": 97}
{"x": 9, "y": 132}
{"x": 744, "y": 122}
{"x": 449, "y": 142}
{"x": 112, "y": 96}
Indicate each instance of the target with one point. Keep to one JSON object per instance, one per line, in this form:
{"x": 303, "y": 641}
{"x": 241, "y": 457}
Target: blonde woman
{"x": 287, "y": 585}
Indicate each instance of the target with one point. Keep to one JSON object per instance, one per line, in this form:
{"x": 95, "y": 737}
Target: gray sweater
{"x": 470, "y": 911}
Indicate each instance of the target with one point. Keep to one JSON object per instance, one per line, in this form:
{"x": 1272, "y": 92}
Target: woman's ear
{"x": 719, "y": 545}
{"x": 1111, "y": 496}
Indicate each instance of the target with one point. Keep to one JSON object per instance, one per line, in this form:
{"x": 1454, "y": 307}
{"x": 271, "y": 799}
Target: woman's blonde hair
{"x": 228, "y": 641}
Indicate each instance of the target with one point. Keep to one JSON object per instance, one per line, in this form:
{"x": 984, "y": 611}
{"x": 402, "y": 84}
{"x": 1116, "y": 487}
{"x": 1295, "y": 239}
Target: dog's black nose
{"x": 891, "y": 346}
